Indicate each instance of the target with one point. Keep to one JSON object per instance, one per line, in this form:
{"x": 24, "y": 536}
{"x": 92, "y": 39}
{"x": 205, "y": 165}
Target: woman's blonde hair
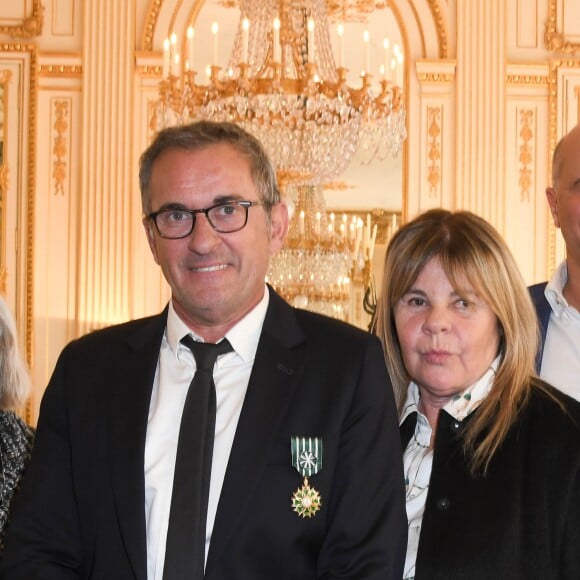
{"x": 14, "y": 377}
{"x": 469, "y": 249}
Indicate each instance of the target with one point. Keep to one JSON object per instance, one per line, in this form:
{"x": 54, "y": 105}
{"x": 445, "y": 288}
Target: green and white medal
{"x": 307, "y": 460}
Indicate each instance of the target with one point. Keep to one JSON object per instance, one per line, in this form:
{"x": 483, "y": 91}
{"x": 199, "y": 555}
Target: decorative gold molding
{"x": 5, "y": 77}
{"x": 526, "y": 135}
{"x": 388, "y": 221}
{"x": 3, "y": 185}
{"x": 338, "y": 186}
{"x": 435, "y": 7}
{"x": 60, "y": 149}
{"x": 554, "y": 39}
{"x": 526, "y": 80}
{"x": 60, "y": 70}
{"x": 155, "y": 7}
{"x": 553, "y": 138}
{"x": 149, "y": 71}
{"x": 30, "y": 27}
{"x": 555, "y": 65}
{"x": 26, "y": 291}
{"x": 32, "y": 116}
{"x": 150, "y": 23}
{"x": 435, "y": 77}
{"x": 434, "y": 148}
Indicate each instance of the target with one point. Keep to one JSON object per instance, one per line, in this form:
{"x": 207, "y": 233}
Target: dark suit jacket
{"x": 521, "y": 521}
{"x": 81, "y": 510}
{"x": 543, "y": 310}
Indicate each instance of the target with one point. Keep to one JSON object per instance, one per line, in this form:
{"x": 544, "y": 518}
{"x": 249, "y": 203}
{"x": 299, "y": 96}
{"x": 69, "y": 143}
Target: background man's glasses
{"x": 226, "y": 218}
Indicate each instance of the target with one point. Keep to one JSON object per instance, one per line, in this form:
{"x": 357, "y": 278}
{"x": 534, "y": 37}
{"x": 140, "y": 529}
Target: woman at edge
{"x": 491, "y": 453}
{"x": 15, "y": 435}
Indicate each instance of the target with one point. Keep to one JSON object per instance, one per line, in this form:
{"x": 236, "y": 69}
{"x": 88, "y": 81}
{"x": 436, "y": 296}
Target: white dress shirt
{"x": 418, "y": 456}
{"x": 175, "y": 369}
{"x": 561, "y": 357}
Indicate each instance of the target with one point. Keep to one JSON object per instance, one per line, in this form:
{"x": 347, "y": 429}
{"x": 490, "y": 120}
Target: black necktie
{"x": 185, "y": 550}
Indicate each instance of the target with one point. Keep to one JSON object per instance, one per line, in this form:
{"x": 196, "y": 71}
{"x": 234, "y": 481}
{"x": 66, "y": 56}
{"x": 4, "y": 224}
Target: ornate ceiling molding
{"x": 29, "y": 27}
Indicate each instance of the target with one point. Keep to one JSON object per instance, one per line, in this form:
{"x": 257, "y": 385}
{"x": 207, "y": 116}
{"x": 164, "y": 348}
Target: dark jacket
{"x": 81, "y": 511}
{"x": 543, "y": 310}
{"x": 520, "y": 521}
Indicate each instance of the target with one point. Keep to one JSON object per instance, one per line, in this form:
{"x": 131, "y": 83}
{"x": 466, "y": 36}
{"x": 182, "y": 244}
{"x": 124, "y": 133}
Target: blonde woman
{"x": 491, "y": 452}
{"x": 15, "y": 435}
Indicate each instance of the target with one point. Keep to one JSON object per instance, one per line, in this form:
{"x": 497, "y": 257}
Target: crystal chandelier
{"x": 324, "y": 256}
{"x": 283, "y": 86}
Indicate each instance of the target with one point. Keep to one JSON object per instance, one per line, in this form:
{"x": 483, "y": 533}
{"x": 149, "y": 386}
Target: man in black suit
{"x": 557, "y": 302}
{"x": 306, "y": 469}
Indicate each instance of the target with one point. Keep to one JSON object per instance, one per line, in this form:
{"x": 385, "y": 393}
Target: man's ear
{"x": 552, "y": 198}
{"x": 151, "y": 238}
{"x": 278, "y": 226}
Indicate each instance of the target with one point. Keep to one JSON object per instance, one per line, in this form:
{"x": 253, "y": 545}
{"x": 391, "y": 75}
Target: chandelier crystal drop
{"x": 283, "y": 86}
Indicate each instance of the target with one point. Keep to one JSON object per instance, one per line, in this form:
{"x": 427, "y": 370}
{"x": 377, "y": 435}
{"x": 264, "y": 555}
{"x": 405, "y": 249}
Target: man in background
{"x": 558, "y": 301}
{"x": 302, "y": 476}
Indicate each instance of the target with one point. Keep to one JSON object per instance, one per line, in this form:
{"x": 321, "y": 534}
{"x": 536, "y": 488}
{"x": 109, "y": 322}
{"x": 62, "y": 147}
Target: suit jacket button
{"x": 455, "y": 426}
{"x": 443, "y": 504}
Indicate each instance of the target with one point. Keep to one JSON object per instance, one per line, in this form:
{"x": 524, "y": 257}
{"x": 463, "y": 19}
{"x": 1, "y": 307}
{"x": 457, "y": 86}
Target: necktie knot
{"x": 206, "y": 353}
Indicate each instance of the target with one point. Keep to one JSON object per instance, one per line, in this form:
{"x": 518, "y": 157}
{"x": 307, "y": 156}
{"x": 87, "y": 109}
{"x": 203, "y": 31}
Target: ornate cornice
{"x": 29, "y": 27}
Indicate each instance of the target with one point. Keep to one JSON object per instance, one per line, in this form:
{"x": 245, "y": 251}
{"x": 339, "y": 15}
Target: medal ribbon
{"x": 307, "y": 455}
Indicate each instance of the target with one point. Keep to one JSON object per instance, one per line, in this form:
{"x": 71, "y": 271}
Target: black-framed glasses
{"x": 226, "y": 218}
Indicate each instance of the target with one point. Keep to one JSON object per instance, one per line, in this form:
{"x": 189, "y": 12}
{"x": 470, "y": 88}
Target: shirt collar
{"x": 243, "y": 336}
{"x": 462, "y": 404}
{"x": 554, "y": 291}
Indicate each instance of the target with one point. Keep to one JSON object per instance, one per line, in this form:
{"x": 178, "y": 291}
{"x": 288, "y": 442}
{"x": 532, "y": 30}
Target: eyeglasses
{"x": 226, "y": 218}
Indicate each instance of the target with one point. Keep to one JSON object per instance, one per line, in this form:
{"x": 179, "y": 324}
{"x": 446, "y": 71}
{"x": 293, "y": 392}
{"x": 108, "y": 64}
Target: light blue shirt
{"x": 561, "y": 356}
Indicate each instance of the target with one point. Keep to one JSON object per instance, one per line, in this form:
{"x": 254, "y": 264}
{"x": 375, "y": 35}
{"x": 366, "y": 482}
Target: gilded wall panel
{"x": 19, "y": 92}
{"x": 562, "y": 33}
{"x": 525, "y": 208}
{"x": 16, "y": 22}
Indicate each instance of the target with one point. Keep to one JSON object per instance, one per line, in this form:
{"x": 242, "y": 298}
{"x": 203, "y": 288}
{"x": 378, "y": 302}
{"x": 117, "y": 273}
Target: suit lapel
{"x": 129, "y": 412}
{"x": 272, "y": 382}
